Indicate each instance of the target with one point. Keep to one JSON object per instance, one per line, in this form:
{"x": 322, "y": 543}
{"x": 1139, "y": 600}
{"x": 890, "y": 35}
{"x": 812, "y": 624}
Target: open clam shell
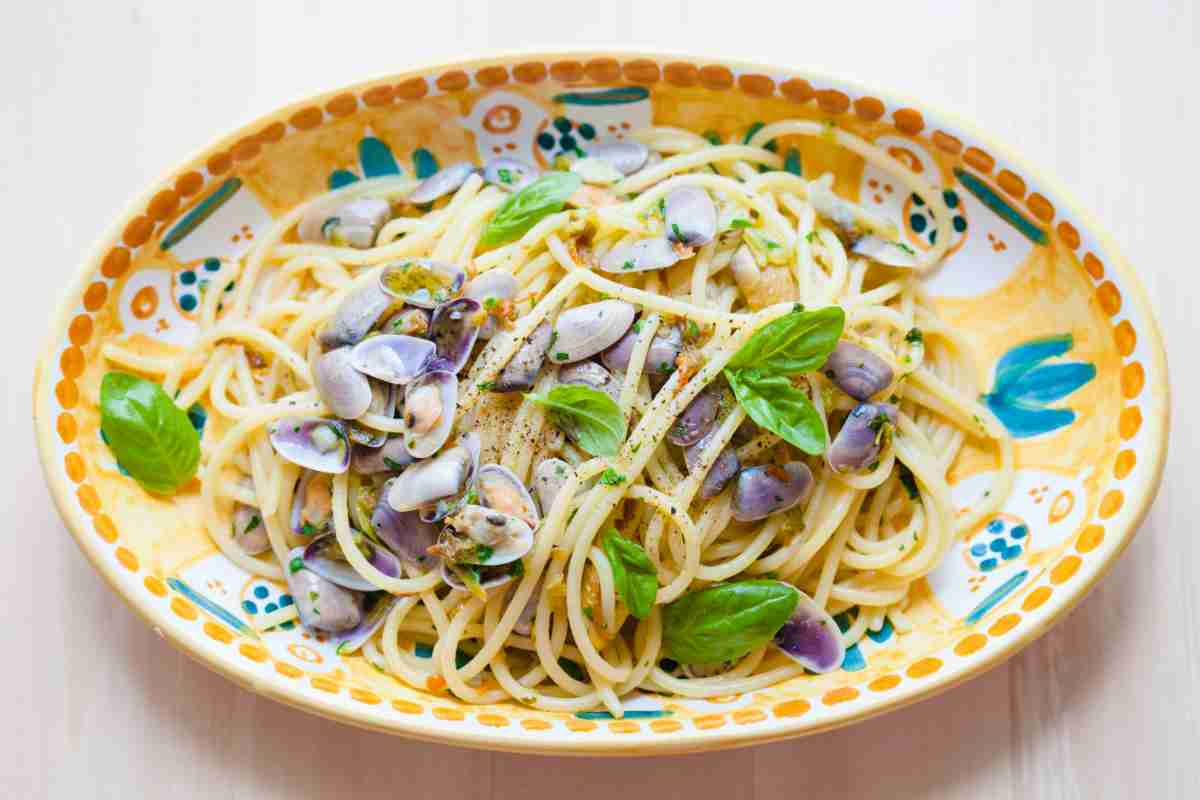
{"x": 324, "y": 556}
{"x": 491, "y": 287}
{"x": 321, "y": 603}
{"x": 404, "y": 532}
{"x": 691, "y": 216}
{"x": 392, "y": 358}
{"x": 627, "y": 157}
{"x": 377, "y": 607}
{"x": 479, "y": 535}
{"x": 312, "y": 504}
{"x": 383, "y": 403}
{"x": 355, "y": 315}
{"x": 455, "y": 328}
{"x": 500, "y": 489}
{"x": 422, "y": 282}
{"x": 353, "y": 223}
{"x": 392, "y": 457}
{"x": 429, "y": 412}
{"x": 446, "y": 476}
{"x": 314, "y": 443}
{"x": 443, "y": 182}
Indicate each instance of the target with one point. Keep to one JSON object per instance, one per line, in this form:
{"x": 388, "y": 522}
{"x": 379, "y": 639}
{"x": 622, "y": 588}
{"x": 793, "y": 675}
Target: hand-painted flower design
{"x": 1024, "y": 386}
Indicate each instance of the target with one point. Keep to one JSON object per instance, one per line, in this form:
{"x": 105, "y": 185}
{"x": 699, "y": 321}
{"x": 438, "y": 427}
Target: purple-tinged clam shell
{"x": 376, "y": 614}
{"x": 249, "y": 530}
{"x": 549, "y": 478}
{"x": 455, "y": 328}
{"x": 489, "y": 577}
{"x": 493, "y": 286}
{"x": 355, "y": 223}
{"x": 510, "y": 174}
{"x": 355, "y": 316}
{"x": 408, "y": 321}
{"x": 617, "y": 357}
{"x": 811, "y": 638}
{"x": 886, "y": 252}
{"x": 857, "y": 444}
{"x": 392, "y": 457}
{"x": 769, "y": 489}
{"x": 422, "y": 282}
{"x": 691, "y": 216}
{"x": 312, "y": 504}
{"x": 383, "y": 403}
{"x": 429, "y": 412}
{"x": 857, "y": 371}
{"x": 324, "y": 556}
{"x": 665, "y": 348}
{"x": 500, "y": 489}
{"x": 640, "y": 256}
{"x": 343, "y": 389}
{"x": 392, "y": 358}
{"x": 591, "y": 374}
{"x": 626, "y": 156}
{"x": 314, "y": 443}
{"x": 478, "y": 535}
{"x": 404, "y": 532}
{"x": 583, "y": 331}
{"x": 724, "y": 468}
{"x": 524, "y": 624}
{"x": 522, "y": 371}
{"x": 697, "y": 419}
{"x": 322, "y": 604}
{"x": 448, "y": 475}
{"x": 443, "y": 182}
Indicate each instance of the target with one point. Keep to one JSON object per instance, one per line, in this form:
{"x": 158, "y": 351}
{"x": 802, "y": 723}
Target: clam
{"x": 443, "y": 182}
{"x": 383, "y": 403}
{"x": 522, "y": 371}
{"x": 426, "y": 482}
{"x": 249, "y": 532}
{"x": 392, "y": 357}
{"x": 355, "y": 316}
{"x": 322, "y": 604}
{"x": 811, "y": 638}
{"x": 840, "y": 212}
{"x": 857, "y": 371}
{"x": 857, "y": 444}
{"x": 722, "y": 470}
{"x": 691, "y": 216}
{"x": 454, "y": 330}
{"x": 589, "y": 373}
{"x": 627, "y": 157}
{"x": 324, "y": 556}
{"x": 312, "y": 504}
{"x": 378, "y": 607}
{"x": 479, "y": 535}
{"x": 549, "y": 477}
{"x": 885, "y": 251}
{"x": 640, "y": 256}
{"x": 501, "y": 490}
{"x": 408, "y": 321}
{"x": 314, "y": 443}
{"x": 482, "y": 578}
{"x": 617, "y": 357}
{"x": 597, "y": 171}
{"x": 769, "y": 489}
{"x": 697, "y": 419}
{"x": 491, "y": 288}
{"x": 429, "y": 412}
{"x": 583, "y": 331}
{"x": 392, "y": 457}
{"x": 665, "y": 348}
{"x": 343, "y": 389}
{"x": 438, "y": 509}
{"x": 351, "y": 224}
{"x": 510, "y": 174}
{"x": 524, "y": 624}
{"x": 421, "y": 282}
{"x": 404, "y": 532}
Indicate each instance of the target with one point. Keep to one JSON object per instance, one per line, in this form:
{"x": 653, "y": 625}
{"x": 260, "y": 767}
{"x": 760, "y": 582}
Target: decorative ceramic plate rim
{"x": 1121, "y": 526}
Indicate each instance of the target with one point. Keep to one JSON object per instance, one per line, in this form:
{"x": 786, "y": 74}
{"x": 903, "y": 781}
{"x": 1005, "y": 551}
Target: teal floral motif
{"x": 1024, "y": 386}
{"x": 376, "y": 160}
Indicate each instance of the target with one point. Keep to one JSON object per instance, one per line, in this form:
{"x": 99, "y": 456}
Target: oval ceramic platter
{"x": 1070, "y": 358}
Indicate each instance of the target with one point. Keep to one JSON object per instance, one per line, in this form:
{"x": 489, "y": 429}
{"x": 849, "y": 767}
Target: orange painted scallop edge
{"x": 159, "y": 204}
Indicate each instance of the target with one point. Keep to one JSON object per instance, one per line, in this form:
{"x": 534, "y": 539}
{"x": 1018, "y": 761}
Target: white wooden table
{"x": 102, "y": 97}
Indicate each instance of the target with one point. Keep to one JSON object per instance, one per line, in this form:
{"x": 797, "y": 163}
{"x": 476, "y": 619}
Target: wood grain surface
{"x": 101, "y": 97}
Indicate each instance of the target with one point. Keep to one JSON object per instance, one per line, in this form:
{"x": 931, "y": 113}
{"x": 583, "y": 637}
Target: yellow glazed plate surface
{"x": 1070, "y": 359}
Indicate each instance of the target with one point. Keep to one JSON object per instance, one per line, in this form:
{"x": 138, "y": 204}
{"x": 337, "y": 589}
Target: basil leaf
{"x": 726, "y": 621}
{"x": 799, "y": 341}
{"x": 151, "y": 437}
{"x": 634, "y": 574}
{"x": 522, "y": 210}
{"x": 774, "y": 403}
{"x": 589, "y": 416}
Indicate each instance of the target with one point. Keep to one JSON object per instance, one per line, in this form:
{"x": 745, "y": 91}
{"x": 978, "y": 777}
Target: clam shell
{"x": 697, "y": 419}
{"x": 884, "y": 251}
{"x": 504, "y": 537}
{"x": 322, "y": 604}
{"x": 429, "y": 412}
{"x": 403, "y": 531}
{"x": 351, "y": 224}
{"x": 640, "y": 256}
{"x": 391, "y": 357}
{"x": 376, "y": 613}
{"x": 421, "y": 282}
{"x": 343, "y": 389}
{"x": 495, "y": 284}
{"x": 691, "y": 216}
{"x": 355, "y": 316}
{"x": 314, "y": 443}
{"x": 627, "y": 157}
{"x": 304, "y": 505}
{"x": 549, "y": 477}
{"x": 765, "y": 490}
{"x": 393, "y": 456}
{"x": 426, "y": 482}
{"x": 811, "y": 638}
{"x": 583, "y": 331}
{"x": 510, "y": 174}
{"x": 589, "y": 373}
{"x": 857, "y": 371}
{"x": 249, "y": 530}
{"x": 454, "y": 330}
{"x": 522, "y": 371}
{"x": 443, "y": 182}
{"x": 324, "y": 557}
{"x": 383, "y": 403}
{"x": 858, "y": 442}
{"x": 500, "y": 489}
{"x": 489, "y": 579}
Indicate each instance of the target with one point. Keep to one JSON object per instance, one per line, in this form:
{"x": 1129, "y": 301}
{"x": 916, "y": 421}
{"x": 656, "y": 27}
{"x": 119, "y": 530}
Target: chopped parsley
{"x": 255, "y": 521}
{"x": 905, "y": 248}
{"x": 627, "y": 265}
{"x": 662, "y": 206}
{"x": 637, "y": 326}
{"x": 392, "y": 464}
{"x": 490, "y": 304}
{"x": 798, "y": 308}
{"x": 587, "y": 612}
{"x": 505, "y": 175}
{"x": 487, "y": 386}
{"x": 810, "y": 237}
{"x": 666, "y": 368}
{"x": 308, "y": 529}
{"x": 484, "y": 552}
{"x": 692, "y": 331}
{"x": 610, "y": 477}
{"x": 517, "y": 569}
{"x": 675, "y": 230}
{"x": 560, "y": 356}
{"x": 740, "y": 223}
{"x": 295, "y": 565}
{"x": 909, "y": 483}
{"x": 914, "y": 336}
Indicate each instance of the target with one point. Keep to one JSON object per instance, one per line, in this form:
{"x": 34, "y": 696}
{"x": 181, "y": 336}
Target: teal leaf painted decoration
{"x": 376, "y": 158}
{"x": 604, "y": 97}
{"x": 1024, "y": 386}
{"x": 424, "y": 163}
{"x": 341, "y": 177}
{"x": 992, "y": 199}
{"x": 791, "y": 162}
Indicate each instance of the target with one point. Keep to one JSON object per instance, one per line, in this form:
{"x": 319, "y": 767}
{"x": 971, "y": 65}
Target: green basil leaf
{"x": 523, "y": 209}
{"x": 726, "y": 621}
{"x": 589, "y": 416}
{"x": 799, "y": 341}
{"x": 151, "y": 437}
{"x": 634, "y": 574}
{"x": 774, "y": 403}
